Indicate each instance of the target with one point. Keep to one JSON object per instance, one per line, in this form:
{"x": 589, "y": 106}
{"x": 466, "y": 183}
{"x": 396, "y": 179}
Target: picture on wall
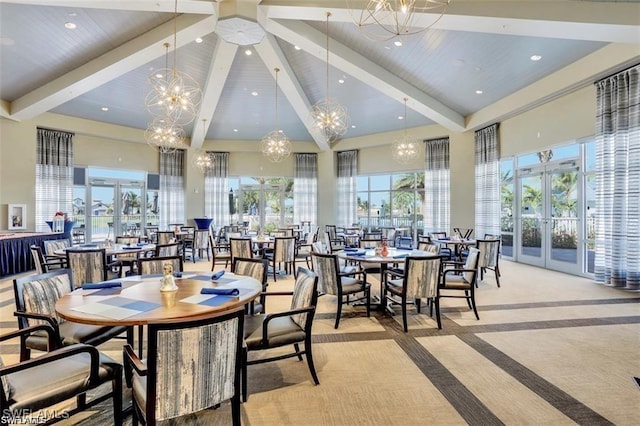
{"x": 17, "y": 216}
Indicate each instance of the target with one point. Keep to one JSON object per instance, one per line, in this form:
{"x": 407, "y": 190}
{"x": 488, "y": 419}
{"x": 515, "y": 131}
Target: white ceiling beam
{"x": 184, "y": 6}
{"x": 273, "y": 57}
{"x": 613, "y": 22}
{"x": 347, "y": 60}
{"x": 223, "y": 56}
{"x": 111, "y": 65}
{"x": 585, "y": 71}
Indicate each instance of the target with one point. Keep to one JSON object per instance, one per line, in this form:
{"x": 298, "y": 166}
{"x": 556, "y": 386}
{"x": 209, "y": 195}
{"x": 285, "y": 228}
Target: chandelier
{"x": 386, "y": 19}
{"x": 165, "y": 135}
{"x": 328, "y": 115}
{"x": 405, "y": 149}
{"x": 173, "y": 101}
{"x": 276, "y": 145}
{"x": 202, "y": 159}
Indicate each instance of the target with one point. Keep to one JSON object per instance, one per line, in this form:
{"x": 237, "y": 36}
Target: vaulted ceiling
{"x": 473, "y": 67}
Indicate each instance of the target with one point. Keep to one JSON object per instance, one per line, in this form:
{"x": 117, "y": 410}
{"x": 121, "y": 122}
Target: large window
{"x": 261, "y": 203}
{"x": 391, "y": 200}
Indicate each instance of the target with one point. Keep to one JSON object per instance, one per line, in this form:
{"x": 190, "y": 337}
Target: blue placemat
{"x": 136, "y": 305}
{"x": 107, "y": 291}
{"x": 217, "y": 300}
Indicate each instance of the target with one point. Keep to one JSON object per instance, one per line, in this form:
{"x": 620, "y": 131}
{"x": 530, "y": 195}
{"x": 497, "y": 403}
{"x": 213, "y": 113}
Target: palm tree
{"x": 563, "y": 198}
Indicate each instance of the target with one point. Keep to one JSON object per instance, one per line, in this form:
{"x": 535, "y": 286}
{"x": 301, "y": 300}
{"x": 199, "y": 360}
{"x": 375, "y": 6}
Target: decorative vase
{"x": 385, "y": 250}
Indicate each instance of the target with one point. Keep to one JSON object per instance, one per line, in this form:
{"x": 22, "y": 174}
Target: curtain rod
{"x": 56, "y": 130}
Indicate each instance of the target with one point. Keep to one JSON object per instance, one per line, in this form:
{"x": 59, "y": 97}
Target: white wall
{"x": 98, "y": 144}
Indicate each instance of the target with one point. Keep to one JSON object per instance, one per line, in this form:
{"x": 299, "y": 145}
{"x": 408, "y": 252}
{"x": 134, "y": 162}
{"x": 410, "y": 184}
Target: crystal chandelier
{"x": 276, "y": 145}
{"x": 405, "y": 149}
{"x": 174, "y": 100}
{"x": 386, "y": 19}
{"x": 328, "y": 115}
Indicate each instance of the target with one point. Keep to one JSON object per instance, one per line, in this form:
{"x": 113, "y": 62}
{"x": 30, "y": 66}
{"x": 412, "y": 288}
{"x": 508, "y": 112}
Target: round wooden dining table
{"x": 139, "y": 300}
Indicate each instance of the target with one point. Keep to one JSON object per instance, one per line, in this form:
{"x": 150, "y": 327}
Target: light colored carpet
{"x": 549, "y": 349}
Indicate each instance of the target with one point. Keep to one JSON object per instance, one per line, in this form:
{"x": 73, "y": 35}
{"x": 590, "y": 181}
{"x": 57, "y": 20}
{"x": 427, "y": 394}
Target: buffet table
{"x": 15, "y": 257}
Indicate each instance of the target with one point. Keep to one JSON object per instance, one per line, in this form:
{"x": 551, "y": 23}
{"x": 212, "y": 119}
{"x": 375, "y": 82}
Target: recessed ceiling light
{"x": 341, "y": 81}
{"x": 297, "y": 47}
{"x": 254, "y": 93}
{"x": 535, "y": 57}
{"x": 353, "y": 126}
{"x": 70, "y": 26}
{"x": 400, "y": 117}
{"x": 159, "y": 75}
{"x": 199, "y": 40}
{"x": 479, "y": 92}
{"x": 105, "y": 108}
{"x": 248, "y": 52}
{"x": 235, "y": 130}
{"x": 73, "y": 14}
{"x": 398, "y": 43}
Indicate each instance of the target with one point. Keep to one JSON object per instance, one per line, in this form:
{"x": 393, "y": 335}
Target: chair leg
{"x": 81, "y": 400}
{"x": 297, "y": 348}
{"x": 116, "y": 385}
{"x": 404, "y": 315}
{"x": 339, "y": 312}
{"x": 368, "y": 296}
{"x": 466, "y": 293}
{"x": 437, "y": 303}
{"x": 243, "y": 374}
{"x": 235, "y": 410}
{"x": 473, "y": 303}
{"x": 418, "y": 304}
{"x": 497, "y": 272}
{"x": 307, "y": 350}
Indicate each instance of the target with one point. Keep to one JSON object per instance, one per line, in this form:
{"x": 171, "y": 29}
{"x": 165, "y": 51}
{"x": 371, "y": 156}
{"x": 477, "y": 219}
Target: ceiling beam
{"x": 273, "y": 57}
{"x": 223, "y": 56}
{"x": 347, "y": 60}
{"x": 184, "y": 6}
{"x": 614, "y": 22}
{"x": 111, "y": 65}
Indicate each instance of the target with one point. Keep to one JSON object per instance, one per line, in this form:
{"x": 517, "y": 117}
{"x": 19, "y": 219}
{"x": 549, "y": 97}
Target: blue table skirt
{"x": 15, "y": 256}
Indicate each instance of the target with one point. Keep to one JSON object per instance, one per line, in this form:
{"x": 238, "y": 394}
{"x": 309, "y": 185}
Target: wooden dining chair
{"x": 264, "y": 332}
{"x": 87, "y": 265}
{"x": 54, "y": 377}
{"x": 459, "y": 282}
{"x": 342, "y": 285}
{"x": 155, "y": 265}
{"x": 417, "y": 282}
{"x": 35, "y": 299}
{"x": 179, "y": 377}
